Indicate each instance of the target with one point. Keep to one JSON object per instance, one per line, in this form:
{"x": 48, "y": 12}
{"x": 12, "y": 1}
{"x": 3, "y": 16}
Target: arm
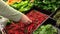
{"x": 12, "y": 14}
{"x": 9, "y": 12}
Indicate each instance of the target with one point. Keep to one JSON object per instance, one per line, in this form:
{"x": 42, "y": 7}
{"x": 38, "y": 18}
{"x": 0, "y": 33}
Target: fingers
{"x": 26, "y": 20}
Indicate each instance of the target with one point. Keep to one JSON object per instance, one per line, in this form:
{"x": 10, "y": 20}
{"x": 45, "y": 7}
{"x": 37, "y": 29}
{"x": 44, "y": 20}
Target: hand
{"x": 25, "y": 19}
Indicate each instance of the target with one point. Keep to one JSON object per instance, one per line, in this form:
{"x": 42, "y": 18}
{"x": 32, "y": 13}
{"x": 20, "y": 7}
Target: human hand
{"x": 25, "y": 19}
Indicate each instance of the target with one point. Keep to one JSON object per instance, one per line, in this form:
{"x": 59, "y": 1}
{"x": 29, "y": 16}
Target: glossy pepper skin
{"x": 27, "y": 28}
{"x": 22, "y": 6}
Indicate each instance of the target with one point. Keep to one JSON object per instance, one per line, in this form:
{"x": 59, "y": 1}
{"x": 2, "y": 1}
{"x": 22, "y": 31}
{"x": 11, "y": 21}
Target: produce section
{"x": 45, "y": 16}
{"x": 23, "y": 6}
{"x": 14, "y": 28}
{"x": 50, "y": 5}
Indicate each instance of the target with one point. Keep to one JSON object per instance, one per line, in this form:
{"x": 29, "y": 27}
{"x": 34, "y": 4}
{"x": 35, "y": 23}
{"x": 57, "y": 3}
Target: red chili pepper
{"x": 16, "y": 32}
{"x": 30, "y": 27}
{"x": 22, "y": 29}
{"x": 19, "y": 28}
{"x": 10, "y": 32}
{"x": 21, "y": 33}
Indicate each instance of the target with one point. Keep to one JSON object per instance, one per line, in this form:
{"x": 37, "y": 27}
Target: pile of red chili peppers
{"x": 21, "y": 28}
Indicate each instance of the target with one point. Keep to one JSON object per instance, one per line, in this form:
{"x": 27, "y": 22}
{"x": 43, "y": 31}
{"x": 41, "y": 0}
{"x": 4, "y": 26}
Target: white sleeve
{"x": 3, "y": 22}
{"x": 9, "y": 12}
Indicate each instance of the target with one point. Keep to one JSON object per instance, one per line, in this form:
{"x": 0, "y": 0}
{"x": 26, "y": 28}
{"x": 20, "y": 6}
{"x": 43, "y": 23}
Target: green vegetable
{"x": 26, "y": 7}
{"x": 0, "y": 17}
{"x": 46, "y": 29}
{"x": 57, "y": 17}
{"x": 23, "y": 6}
{"x": 58, "y": 22}
{"x": 51, "y": 5}
{"x": 9, "y": 22}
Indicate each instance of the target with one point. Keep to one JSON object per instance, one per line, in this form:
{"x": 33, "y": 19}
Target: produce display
{"x": 38, "y": 17}
{"x": 21, "y": 28}
{"x": 25, "y": 5}
{"x": 22, "y": 6}
{"x": 50, "y": 5}
{"x": 57, "y": 17}
{"x": 46, "y": 29}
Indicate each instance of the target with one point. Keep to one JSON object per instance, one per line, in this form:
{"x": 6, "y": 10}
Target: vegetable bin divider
{"x": 55, "y": 23}
{"x": 38, "y": 10}
{"x": 57, "y": 18}
{"x": 41, "y": 24}
{"x": 50, "y": 21}
{"x": 42, "y": 18}
{"x": 54, "y": 12}
{"x": 46, "y": 29}
{"x": 48, "y": 12}
{"x": 51, "y": 6}
{"x": 43, "y": 11}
